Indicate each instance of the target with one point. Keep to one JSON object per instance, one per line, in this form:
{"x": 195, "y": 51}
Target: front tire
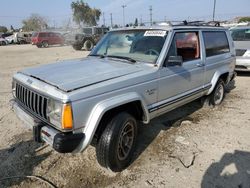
{"x": 45, "y": 44}
{"x": 2, "y": 43}
{"x": 116, "y": 146}
{"x": 218, "y": 94}
{"x": 77, "y": 46}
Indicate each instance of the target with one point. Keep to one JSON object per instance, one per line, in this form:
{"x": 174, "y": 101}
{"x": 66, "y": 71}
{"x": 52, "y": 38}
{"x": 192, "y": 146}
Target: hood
{"x": 75, "y": 74}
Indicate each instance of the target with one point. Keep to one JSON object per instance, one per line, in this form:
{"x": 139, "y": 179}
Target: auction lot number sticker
{"x": 155, "y": 33}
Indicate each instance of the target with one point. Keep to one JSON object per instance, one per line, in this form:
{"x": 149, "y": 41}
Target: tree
{"x": 3, "y": 29}
{"x": 83, "y": 13}
{"x": 244, "y": 19}
{"x": 35, "y": 23}
{"x": 136, "y": 22}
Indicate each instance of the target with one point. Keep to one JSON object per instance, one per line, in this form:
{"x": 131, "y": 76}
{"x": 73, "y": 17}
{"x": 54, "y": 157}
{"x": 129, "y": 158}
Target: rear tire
{"x": 218, "y": 94}
{"x": 88, "y": 45}
{"x": 116, "y": 146}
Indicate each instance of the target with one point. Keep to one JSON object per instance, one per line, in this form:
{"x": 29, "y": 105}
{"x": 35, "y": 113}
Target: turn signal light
{"x": 67, "y": 117}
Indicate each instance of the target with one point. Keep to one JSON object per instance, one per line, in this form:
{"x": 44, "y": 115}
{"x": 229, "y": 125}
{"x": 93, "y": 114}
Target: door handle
{"x": 200, "y": 64}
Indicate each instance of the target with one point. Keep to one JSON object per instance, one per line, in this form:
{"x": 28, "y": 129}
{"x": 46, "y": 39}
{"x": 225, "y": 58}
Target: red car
{"x": 44, "y": 39}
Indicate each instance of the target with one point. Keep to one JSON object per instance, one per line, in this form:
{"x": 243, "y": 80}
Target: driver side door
{"x": 181, "y": 82}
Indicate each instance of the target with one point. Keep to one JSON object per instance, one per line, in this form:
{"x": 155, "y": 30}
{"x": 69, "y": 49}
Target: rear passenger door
{"x": 217, "y": 50}
{"x": 178, "y": 83}
{"x": 51, "y": 38}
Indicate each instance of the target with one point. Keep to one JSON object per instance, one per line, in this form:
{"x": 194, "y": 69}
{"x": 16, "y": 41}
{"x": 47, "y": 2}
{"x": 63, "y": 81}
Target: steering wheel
{"x": 152, "y": 52}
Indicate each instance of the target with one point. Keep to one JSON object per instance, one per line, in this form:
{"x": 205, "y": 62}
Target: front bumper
{"x": 42, "y": 132}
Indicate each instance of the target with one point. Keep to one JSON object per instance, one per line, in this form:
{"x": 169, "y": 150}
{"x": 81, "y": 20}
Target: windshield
{"x": 34, "y": 34}
{"x": 139, "y": 45}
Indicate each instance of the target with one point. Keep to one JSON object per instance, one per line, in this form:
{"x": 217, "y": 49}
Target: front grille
{"x": 35, "y": 102}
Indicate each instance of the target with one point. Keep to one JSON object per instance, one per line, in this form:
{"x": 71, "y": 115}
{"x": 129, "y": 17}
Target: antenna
{"x": 123, "y": 7}
{"x": 104, "y": 18}
{"x": 214, "y": 9}
{"x": 111, "y": 20}
{"x": 151, "y": 15}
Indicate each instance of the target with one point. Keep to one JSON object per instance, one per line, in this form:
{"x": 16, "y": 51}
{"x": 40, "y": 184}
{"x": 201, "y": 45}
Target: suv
{"x": 241, "y": 37}
{"x": 88, "y": 37}
{"x": 44, "y": 39}
{"x": 132, "y": 75}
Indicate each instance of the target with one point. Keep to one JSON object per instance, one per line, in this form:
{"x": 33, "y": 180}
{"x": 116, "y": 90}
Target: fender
{"x": 99, "y": 110}
{"x": 215, "y": 78}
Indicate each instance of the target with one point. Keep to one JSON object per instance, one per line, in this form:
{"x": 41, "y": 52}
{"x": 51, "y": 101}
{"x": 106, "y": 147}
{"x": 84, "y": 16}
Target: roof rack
{"x": 199, "y": 23}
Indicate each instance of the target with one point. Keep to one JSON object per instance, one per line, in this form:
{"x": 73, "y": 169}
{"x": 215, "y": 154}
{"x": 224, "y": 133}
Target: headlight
{"x": 60, "y": 114}
{"x": 54, "y": 112}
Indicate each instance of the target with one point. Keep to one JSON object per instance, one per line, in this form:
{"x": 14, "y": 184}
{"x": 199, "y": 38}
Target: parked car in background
{"x": 88, "y": 37}
{"x": 3, "y": 35}
{"x": 45, "y": 39}
{"x": 132, "y": 75}
{"x": 241, "y": 37}
{"x": 22, "y": 38}
{"x": 17, "y": 37}
{"x": 3, "y": 42}
{"x": 10, "y": 39}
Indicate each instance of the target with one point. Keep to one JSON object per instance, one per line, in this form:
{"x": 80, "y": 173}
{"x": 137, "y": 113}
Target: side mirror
{"x": 175, "y": 61}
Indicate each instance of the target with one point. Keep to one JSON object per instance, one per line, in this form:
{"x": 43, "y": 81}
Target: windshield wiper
{"x": 97, "y": 55}
{"x": 122, "y": 57}
{"x": 114, "y": 56}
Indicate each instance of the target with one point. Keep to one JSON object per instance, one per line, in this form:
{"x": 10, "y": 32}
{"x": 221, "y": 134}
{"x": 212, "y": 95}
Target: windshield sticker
{"x": 155, "y": 33}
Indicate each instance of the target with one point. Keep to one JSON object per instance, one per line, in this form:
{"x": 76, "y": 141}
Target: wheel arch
{"x": 105, "y": 109}
{"x": 224, "y": 75}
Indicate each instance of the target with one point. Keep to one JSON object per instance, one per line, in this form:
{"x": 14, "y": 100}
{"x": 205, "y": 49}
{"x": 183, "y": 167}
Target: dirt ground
{"x": 193, "y": 146}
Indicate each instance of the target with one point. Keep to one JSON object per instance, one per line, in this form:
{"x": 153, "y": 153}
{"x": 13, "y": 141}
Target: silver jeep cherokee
{"x": 132, "y": 75}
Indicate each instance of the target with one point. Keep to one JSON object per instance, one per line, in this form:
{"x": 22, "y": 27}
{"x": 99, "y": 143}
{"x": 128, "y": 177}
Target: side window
{"x": 216, "y": 43}
{"x": 42, "y": 35}
{"x": 51, "y": 35}
{"x": 247, "y": 38}
{"x": 238, "y": 34}
{"x": 58, "y": 35}
{"x": 186, "y": 45}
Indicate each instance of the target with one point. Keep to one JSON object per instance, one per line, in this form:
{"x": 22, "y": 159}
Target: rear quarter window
{"x": 216, "y": 43}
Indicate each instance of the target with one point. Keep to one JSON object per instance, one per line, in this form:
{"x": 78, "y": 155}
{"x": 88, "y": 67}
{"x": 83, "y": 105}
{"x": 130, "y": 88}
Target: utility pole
{"x": 141, "y": 20}
{"x": 123, "y": 7}
{"x": 111, "y": 20}
{"x": 151, "y": 15}
{"x": 54, "y": 21}
{"x": 214, "y": 9}
{"x": 104, "y": 23}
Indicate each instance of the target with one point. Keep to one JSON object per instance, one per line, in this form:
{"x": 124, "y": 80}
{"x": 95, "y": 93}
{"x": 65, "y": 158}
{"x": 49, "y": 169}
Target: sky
{"x": 58, "y": 12}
